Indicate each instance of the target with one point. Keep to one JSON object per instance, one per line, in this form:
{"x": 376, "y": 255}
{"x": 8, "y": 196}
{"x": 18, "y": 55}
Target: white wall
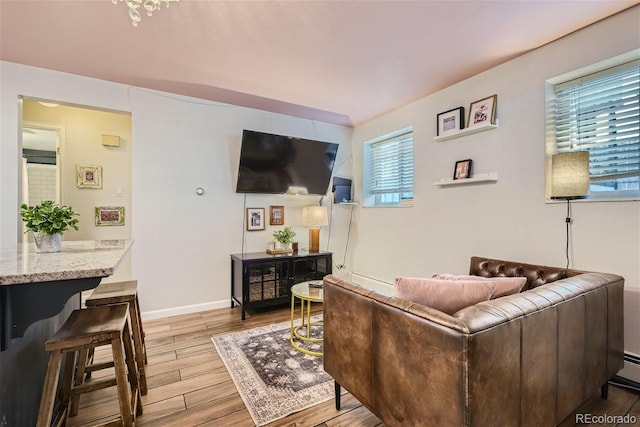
{"x": 508, "y": 219}
{"x": 182, "y": 241}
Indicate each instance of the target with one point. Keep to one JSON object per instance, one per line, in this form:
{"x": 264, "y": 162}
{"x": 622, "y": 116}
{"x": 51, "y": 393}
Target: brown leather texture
{"x": 536, "y": 274}
{"x": 526, "y": 359}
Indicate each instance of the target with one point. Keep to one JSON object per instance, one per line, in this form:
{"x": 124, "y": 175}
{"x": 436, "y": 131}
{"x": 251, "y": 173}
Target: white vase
{"x": 284, "y": 246}
{"x": 46, "y": 243}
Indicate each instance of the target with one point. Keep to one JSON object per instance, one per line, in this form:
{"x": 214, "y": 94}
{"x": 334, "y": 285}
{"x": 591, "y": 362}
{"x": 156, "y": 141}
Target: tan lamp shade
{"x": 314, "y": 217}
{"x": 570, "y": 175}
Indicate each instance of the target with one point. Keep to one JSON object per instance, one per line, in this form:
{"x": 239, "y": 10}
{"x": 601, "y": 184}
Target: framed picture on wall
{"x": 89, "y": 176}
{"x": 482, "y": 111}
{"x": 109, "y": 215}
{"x": 462, "y": 169}
{"x": 276, "y": 215}
{"x": 450, "y": 121}
{"x": 255, "y": 219}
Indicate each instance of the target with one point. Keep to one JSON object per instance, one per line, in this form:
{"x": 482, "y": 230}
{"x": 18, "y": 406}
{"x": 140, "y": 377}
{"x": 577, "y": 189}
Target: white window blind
{"x": 600, "y": 113}
{"x": 391, "y": 165}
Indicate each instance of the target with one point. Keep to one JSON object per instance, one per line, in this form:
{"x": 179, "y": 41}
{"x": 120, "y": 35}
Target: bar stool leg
{"x": 79, "y": 378}
{"x": 140, "y": 351}
{"x": 121, "y": 381}
{"x": 139, "y": 323}
{"x": 67, "y": 380}
{"x": 134, "y": 379}
{"x": 49, "y": 390}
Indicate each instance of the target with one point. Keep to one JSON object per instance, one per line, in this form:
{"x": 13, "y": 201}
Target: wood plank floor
{"x": 189, "y": 385}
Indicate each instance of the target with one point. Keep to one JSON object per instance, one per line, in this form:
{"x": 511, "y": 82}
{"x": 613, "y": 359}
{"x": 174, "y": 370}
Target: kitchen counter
{"x": 77, "y": 260}
{"x": 38, "y": 292}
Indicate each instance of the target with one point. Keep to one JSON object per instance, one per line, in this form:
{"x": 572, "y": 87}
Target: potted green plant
{"x": 47, "y": 221}
{"x": 284, "y": 237}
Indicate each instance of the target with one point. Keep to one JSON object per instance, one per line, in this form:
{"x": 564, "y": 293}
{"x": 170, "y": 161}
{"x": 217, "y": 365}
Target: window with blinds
{"x": 389, "y": 170}
{"x": 600, "y": 113}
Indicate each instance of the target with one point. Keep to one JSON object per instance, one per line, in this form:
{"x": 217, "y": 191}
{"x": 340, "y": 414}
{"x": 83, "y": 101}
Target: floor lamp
{"x": 314, "y": 217}
{"x": 569, "y": 181}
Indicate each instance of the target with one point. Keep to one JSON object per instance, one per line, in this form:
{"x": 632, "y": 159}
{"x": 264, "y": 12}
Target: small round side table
{"x": 306, "y": 292}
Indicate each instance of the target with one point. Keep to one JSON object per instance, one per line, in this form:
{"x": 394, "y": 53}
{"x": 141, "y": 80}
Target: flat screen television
{"x": 276, "y": 164}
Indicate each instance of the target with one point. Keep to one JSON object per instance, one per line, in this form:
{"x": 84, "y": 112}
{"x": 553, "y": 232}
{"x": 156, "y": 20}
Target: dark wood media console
{"x": 261, "y": 280}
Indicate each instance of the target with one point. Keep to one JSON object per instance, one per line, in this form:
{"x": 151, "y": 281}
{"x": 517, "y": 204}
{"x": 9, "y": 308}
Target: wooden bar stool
{"x": 125, "y": 292}
{"x": 87, "y": 329}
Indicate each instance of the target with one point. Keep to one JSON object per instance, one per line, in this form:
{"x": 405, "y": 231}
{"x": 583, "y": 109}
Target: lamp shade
{"x": 315, "y": 216}
{"x": 570, "y": 175}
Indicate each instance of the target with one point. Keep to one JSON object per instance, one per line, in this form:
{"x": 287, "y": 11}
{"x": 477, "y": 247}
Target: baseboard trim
{"x": 185, "y": 309}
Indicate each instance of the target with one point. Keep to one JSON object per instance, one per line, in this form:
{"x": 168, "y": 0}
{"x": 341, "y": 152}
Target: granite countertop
{"x": 79, "y": 259}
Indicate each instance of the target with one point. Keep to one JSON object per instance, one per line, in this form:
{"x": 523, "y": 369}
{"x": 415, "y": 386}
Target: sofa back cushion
{"x": 536, "y": 275}
{"x": 448, "y": 296}
{"x": 504, "y": 285}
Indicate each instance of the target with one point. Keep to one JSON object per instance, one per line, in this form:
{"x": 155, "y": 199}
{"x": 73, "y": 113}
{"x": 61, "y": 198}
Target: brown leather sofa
{"x": 527, "y": 359}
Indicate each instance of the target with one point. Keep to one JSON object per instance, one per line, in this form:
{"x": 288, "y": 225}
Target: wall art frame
{"x": 255, "y": 219}
{"x": 462, "y": 170}
{"x": 450, "y": 122}
{"x": 109, "y": 215}
{"x": 276, "y": 215}
{"x": 89, "y": 176}
{"x": 482, "y": 111}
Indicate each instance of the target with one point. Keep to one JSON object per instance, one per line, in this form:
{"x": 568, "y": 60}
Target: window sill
{"x": 403, "y": 205}
{"x": 594, "y": 200}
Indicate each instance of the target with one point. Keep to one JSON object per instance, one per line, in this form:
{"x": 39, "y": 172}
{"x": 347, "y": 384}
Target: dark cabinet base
{"x": 261, "y": 280}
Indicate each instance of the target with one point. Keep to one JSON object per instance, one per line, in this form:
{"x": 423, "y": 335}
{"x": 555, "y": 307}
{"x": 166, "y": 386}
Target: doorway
{"x": 65, "y": 140}
{"x": 41, "y": 144}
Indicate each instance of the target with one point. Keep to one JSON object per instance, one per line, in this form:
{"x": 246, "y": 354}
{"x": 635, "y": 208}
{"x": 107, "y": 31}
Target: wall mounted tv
{"x": 276, "y": 164}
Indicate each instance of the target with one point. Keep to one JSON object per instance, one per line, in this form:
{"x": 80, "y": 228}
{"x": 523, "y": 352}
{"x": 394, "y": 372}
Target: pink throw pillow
{"x": 504, "y": 285}
{"x": 445, "y": 295}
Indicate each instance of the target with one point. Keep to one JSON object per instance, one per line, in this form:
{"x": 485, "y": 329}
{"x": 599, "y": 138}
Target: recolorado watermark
{"x": 605, "y": 419}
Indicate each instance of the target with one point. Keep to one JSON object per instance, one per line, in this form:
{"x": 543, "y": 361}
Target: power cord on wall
{"x": 244, "y": 213}
{"x": 346, "y": 245}
{"x": 343, "y": 265}
{"x": 568, "y": 224}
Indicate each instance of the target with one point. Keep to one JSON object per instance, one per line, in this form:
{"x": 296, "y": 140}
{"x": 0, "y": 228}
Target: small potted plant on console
{"x": 47, "y": 221}
{"x": 284, "y": 238}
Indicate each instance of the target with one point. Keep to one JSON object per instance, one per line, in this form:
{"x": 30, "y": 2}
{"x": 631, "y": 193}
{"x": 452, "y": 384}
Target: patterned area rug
{"x": 273, "y": 378}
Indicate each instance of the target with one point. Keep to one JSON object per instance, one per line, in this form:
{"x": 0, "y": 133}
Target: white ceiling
{"x": 341, "y": 62}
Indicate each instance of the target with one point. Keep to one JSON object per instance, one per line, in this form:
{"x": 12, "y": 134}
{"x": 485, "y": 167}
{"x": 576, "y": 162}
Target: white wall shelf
{"x": 475, "y": 179}
{"x": 465, "y": 132}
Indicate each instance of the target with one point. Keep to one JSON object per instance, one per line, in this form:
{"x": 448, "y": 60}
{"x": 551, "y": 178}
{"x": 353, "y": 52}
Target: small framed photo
{"x": 255, "y": 219}
{"x": 462, "y": 169}
{"x": 109, "y": 215}
{"x": 276, "y": 215}
{"x": 89, "y": 176}
{"x": 450, "y": 121}
{"x": 482, "y": 111}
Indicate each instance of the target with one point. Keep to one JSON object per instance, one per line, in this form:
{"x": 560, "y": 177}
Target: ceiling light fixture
{"x": 149, "y": 5}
